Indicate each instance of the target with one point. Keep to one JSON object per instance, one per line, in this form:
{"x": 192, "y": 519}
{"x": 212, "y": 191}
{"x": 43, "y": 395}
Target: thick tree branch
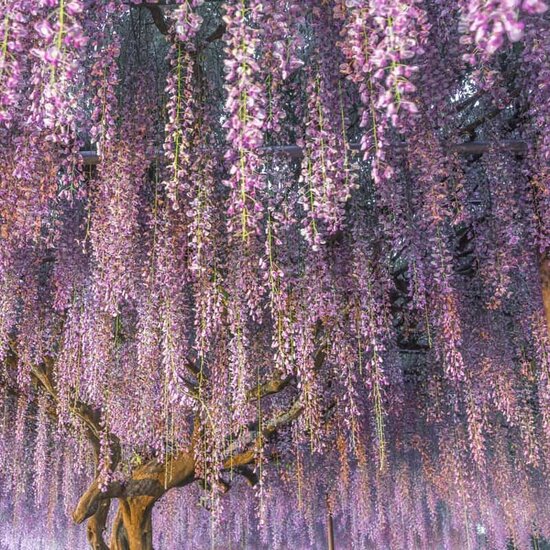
{"x": 192, "y": 389}
{"x": 96, "y": 526}
{"x": 190, "y": 366}
{"x": 42, "y": 375}
{"x": 469, "y": 101}
{"x": 158, "y": 18}
{"x": 272, "y": 386}
{"x": 150, "y": 480}
{"x": 256, "y": 433}
{"x": 486, "y": 117}
{"x": 162, "y": 25}
{"x": 154, "y": 479}
{"x": 254, "y": 437}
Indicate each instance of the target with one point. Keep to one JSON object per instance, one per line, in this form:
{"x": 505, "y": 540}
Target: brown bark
{"x": 118, "y": 534}
{"x": 96, "y": 527}
{"x": 133, "y": 527}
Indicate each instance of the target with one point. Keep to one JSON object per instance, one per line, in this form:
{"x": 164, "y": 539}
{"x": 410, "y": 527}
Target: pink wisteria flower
{"x": 297, "y": 245}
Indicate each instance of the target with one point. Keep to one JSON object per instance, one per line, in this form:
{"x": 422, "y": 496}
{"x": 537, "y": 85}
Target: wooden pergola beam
{"x": 91, "y": 158}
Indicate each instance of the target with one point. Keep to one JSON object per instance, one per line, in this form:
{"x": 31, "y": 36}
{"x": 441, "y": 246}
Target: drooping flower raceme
{"x": 219, "y": 292}
{"x": 489, "y": 23}
{"x": 245, "y": 106}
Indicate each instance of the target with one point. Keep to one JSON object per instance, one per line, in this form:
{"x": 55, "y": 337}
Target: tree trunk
{"x": 96, "y": 526}
{"x": 133, "y": 527}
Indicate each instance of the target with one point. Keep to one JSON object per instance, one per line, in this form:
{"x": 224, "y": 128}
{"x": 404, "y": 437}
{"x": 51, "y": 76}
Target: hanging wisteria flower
{"x": 326, "y": 175}
{"x": 187, "y": 20}
{"x": 14, "y": 39}
{"x": 489, "y": 23}
{"x": 114, "y": 222}
{"x": 245, "y": 105}
{"x": 203, "y": 287}
{"x": 181, "y": 124}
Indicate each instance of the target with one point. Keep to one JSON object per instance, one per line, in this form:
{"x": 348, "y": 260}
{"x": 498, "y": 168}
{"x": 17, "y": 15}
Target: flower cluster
{"x": 181, "y": 122}
{"x": 491, "y": 22}
{"x": 187, "y": 20}
{"x": 104, "y": 81}
{"x": 14, "y": 38}
{"x": 326, "y": 175}
{"x": 64, "y": 33}
{"x": 399, "y": 33}
{"x": 114, "y": 223}
{"x": 363, "y": 337}
{"x": 60, "y": 38}
{"x": 536, "y": 69}
{"x": 281, "y": 47}
{"x": 381, "y": 45}
{"x": 245, "y": 106}
{"x": 442, "y": 284}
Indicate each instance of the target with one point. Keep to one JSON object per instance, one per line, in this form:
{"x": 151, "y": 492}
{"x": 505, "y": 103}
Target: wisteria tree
{"x": 268, "y": 262}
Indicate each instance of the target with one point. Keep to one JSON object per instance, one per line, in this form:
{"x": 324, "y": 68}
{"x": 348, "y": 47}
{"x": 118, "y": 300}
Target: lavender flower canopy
{"x": 272, "y": 269}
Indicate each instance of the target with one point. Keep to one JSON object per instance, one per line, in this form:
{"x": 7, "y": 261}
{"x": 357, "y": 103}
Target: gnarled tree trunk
{"x": 96, "y": 526}
{"x": 132, "y": 527}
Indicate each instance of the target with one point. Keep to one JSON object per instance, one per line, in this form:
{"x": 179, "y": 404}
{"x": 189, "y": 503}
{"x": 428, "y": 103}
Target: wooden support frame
{"x": 91, "y": 158}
